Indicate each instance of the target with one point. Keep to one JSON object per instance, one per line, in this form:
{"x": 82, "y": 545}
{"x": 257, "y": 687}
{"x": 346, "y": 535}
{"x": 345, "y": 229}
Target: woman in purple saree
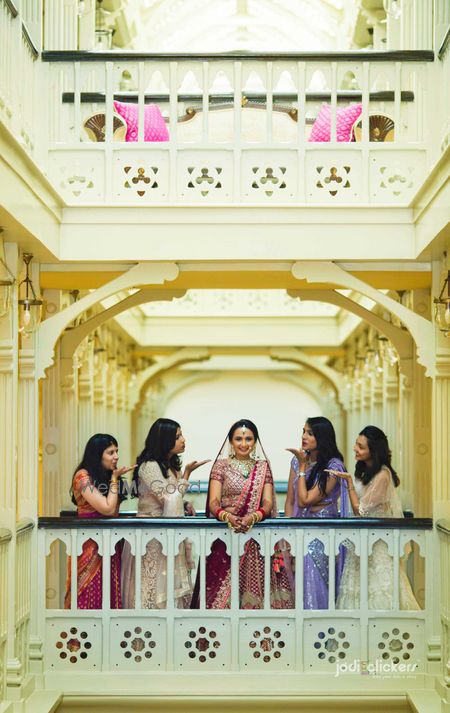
{"x": 313, "y": 492}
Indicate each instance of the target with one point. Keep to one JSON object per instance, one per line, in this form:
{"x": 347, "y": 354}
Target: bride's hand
{"x": 246, "y": 523}
{"x": 301, "y": 455}
{"x": 235, "y": 522}
{"x": 190, "y": 467}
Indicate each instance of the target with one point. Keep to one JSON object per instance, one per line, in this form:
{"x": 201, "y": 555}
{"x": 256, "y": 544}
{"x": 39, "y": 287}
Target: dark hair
{"x": 327, "y": 449}
{"x": 160, "y": 440}
{"x": 380, "y": 455}
{"x": 92, "y": 463}
{"x": 243, "y": 423}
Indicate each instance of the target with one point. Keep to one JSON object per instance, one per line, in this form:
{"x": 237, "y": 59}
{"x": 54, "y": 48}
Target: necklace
{"x": 244, "y": 467}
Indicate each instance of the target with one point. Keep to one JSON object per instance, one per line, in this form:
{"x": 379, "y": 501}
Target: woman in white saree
{"x": 373, "y": 493}
{"x": 161, "y": 486}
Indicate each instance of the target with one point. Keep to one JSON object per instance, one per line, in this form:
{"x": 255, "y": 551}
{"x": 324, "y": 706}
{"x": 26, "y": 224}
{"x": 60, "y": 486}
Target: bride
{"x": 374, "y": 494}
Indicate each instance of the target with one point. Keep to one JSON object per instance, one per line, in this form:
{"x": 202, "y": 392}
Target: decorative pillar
{"x": 28, "y": 437}
{"x": 406, "y": 437}
{"x": 51, "y": 424}
{"x": 376, "y": 398}
{"x": 86, "y": 424}
{"x": 100, "y": 372}
{"x": 51, "y": 467}
{"x": 111, "y": 397}
{"x": 440, "y": 430}
{"x": 9, "y": 348}
{"x": 86, "y": 26}
{"x": 391, "y": 411}
{"x": 69, "y": 442}
{"x": 61, "y": 25}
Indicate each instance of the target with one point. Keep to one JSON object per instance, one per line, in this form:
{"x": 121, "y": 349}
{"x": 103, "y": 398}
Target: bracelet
{"x": 301, "y": 474}
{"x": 115, "y": 480}
{"x": 219, "y": 512}
{"x": 350, "y": 487}
{"x": 261, "y": 513}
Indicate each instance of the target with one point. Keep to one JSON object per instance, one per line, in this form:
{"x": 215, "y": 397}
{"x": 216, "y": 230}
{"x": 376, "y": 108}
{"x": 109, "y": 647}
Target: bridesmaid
{"x": 161, "y": 487}
{"x": 313, "y": 492}
{"x": 374, "y": 494}
{"x": 96, "y": 493}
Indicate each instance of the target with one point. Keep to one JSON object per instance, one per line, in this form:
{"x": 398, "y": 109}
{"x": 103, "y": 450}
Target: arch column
{"x": 406, "y": 469}
{"x": 28, "y": 440}
{"x": 99, "y": 387}
{"x": 391, "y": 410}
{"x": 69, "y": 441}
{"x": 61, "y": 25}
{"x": 86, "y": 422}
{"x": 51, "y": 433}
{"x": 376, "y": 399}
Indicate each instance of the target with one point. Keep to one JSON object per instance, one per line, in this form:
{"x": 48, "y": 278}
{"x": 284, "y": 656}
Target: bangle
{"x": 301, "y": 474}
{"x": 219, "y": 512}
{"x": 114, "y": 480}
{"x": 262, "y": 513}
{"x": 350, "y": 487}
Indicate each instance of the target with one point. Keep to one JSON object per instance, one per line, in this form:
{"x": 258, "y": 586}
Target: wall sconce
{"x": 442, "y": 308}
{"x": 30, "y": 315}
{"x": 6, "y": 284}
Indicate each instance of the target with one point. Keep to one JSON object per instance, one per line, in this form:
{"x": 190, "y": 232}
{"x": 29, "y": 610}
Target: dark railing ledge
{"x": 5, "y": 535}
{"x": 26, "y": 524}
{"x": 346, "y": 56}
{"x": 418, "y": 523}
{"x": 12, "y": 7}
{"x": 28, "y": 39}
{"x": 341, "y": 95}
{"x": 443, "y": 526}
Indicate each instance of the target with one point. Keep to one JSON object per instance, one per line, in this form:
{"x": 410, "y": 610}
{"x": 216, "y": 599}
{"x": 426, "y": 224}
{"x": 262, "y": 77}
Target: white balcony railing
{"x": 5, "y": 541}
{"x": 239, "y": 128}
{"x": 153, "y": 643}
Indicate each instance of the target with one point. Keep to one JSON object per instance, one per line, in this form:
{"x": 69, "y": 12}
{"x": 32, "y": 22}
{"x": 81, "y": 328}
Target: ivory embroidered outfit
{"x": 379, "y": 498}
{"x": 159, "y": 496}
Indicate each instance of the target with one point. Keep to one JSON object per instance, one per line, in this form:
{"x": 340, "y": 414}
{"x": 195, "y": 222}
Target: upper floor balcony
{"x": 296, "y": 129}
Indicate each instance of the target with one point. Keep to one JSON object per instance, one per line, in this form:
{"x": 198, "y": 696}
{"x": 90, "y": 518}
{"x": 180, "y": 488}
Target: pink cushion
{"x": 345, "y": 118}
{"x": 155, "y": 128}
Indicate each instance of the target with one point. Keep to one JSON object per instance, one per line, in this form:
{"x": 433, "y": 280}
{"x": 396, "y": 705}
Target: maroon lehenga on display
{"x": 241, "y": 496}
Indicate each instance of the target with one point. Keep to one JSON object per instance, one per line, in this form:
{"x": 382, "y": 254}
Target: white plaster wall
{"x": 207, "y": 409}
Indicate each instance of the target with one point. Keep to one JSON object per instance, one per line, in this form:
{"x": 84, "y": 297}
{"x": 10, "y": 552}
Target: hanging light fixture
{"x": 6, "y": 284}
{"x": 442, "y": 308}
{"x": 30, "y": 315}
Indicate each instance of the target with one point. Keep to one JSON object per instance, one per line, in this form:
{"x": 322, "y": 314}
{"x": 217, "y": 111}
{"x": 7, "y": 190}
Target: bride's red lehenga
{"x": 241, "y": 496}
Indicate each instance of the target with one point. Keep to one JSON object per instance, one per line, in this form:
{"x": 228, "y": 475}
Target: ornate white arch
{"x": 70, "y": 340}
{"x": 51, "y": 329}
{"x": 295, "y": 355}
{"x": 402, "y": 341}
{"x": 182, "y": 356}
{"x": 421, "y": 329}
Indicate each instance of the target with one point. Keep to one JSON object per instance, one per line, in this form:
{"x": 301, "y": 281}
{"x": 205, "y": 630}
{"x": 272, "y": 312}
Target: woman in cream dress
{"x": 373, "y": 494}
{"x": 161, "y": 487}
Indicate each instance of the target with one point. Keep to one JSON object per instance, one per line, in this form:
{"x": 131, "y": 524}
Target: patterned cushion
{"x": 345, "y": 118}
{"x": 155, "y": 128}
